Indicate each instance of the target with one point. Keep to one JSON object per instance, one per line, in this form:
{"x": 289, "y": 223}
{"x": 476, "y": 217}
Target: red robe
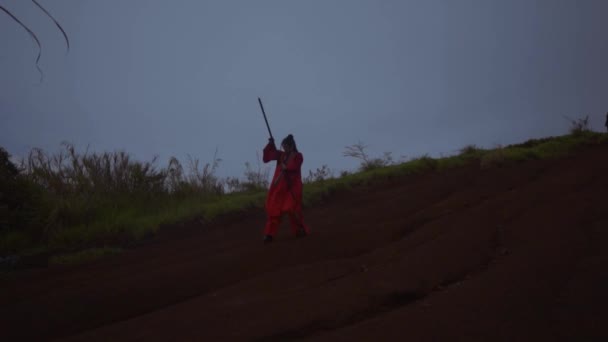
{"x": 285, "y": 193}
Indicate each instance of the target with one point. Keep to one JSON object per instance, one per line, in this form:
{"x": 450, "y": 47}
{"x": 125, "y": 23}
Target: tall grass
{"x": 84, "y": 197}
{"x": 73, "y": 200}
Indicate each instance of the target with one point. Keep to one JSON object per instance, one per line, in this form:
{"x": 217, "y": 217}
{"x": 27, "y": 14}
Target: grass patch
{"x": 534, "y": 149}
{"x": 14, "y": 241}
{"x": 84, "y": 256}
{"x": 82, "y": 222}
{"x": 142, "y": 218}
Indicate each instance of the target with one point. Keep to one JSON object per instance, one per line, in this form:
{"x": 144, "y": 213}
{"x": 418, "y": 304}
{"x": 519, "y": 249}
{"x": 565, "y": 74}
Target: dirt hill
{"x": 518, "y": 252}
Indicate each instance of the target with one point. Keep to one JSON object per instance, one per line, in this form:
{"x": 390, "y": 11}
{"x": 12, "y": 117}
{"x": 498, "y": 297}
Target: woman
{"x": 285, "y": 194}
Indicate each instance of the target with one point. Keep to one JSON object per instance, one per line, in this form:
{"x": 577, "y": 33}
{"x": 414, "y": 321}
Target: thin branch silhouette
{"x": 67, "y": 41}
{"x": 32, "y": 34}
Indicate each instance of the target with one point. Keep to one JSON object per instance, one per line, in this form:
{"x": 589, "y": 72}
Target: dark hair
{"x": 289, "y": 141}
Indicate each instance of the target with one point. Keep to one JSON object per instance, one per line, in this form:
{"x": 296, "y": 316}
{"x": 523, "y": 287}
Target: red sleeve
{"x": 295, "y": 163}
{"x": 270, "y": 153}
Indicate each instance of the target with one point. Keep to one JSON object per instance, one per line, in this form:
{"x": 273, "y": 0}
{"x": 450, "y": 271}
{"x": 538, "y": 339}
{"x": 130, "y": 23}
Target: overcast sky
{"x": 159, "y": 77}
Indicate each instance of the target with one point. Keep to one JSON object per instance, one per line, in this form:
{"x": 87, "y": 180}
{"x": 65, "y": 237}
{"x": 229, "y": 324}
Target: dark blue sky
{"x": 410, "y": 77}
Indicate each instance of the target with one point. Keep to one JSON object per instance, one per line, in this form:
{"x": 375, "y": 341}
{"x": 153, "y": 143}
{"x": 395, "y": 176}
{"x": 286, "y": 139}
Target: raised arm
{"x": 271, "y": 152}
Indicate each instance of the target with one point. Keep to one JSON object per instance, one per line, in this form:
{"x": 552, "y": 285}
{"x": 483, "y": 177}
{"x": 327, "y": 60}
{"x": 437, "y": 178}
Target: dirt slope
{"x": 512, "y": 253}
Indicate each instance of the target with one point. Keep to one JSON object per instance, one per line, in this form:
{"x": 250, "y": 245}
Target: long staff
{"x": 265, "y": 119}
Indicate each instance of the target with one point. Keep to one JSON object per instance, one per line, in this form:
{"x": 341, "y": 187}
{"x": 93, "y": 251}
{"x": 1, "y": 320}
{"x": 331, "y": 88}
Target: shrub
{"x": 255, "y": 179}
{"x": 22, "y": 206}
{"x": 496, "y": 157}
{"x": 70, "y": 172}
{"x": 470, "y": 151}
{"x": 319, "y": 175}
{"x": 579, "y": 126}
{"x": 20, "y": 200}
{"x": 424, "y": 162}
{"x": 368, "y": 163}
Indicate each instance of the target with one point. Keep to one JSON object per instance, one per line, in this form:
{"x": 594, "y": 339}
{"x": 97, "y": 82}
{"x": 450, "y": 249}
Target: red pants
{"x": 296, "y": 221}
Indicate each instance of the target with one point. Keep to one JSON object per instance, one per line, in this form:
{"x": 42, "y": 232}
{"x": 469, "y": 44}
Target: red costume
{"x": 285, "y": 193}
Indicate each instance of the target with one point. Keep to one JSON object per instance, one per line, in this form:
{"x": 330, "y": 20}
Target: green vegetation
{"x": 88, "y": 201}
{"x": 83, "y": 256}
{"x": 533, "y": 149}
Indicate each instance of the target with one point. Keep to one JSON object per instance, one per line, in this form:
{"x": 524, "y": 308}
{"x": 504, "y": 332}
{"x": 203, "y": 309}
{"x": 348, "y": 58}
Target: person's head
{"x": 289, "y": 144}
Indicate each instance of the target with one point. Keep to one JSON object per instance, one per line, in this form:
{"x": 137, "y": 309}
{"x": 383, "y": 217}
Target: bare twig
{"x": 67, "y": 41}
{"x": 32, "y": 34}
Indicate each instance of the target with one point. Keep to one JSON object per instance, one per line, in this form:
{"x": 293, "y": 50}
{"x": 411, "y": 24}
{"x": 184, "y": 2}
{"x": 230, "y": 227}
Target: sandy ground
{"x": 511, "y": 253}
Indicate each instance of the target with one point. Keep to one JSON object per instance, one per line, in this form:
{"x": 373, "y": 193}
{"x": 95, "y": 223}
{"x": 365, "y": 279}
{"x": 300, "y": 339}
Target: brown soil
{"x": 512, "y": 253}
